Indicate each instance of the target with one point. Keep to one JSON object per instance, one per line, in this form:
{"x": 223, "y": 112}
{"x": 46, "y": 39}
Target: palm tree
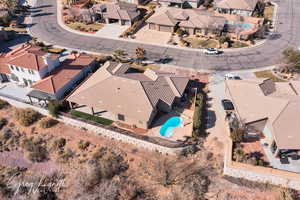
{"x": 140, "y": 54}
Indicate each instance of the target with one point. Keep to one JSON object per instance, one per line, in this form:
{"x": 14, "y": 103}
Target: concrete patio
{"x": 14, "y": 91}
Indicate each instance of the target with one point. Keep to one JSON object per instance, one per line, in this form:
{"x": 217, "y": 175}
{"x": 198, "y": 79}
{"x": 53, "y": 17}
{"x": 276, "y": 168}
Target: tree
{"x": 237, "y": 135}
{"x": 140, "y": 54}
{"x": 54, "y": 108}
{"x": 208, "y": 3}
{"x": 10, "y": 4}
{"x": 292, "y": 58}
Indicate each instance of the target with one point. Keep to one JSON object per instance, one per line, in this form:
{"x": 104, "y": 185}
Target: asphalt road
{"x": 45, "y": 27}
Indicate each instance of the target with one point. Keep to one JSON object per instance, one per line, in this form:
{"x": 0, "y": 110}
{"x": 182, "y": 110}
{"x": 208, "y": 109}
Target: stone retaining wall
{"x": 107, "y": 133}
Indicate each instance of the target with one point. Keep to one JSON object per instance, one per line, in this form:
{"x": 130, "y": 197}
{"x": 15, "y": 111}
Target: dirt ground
{"x": 137, "y": 158}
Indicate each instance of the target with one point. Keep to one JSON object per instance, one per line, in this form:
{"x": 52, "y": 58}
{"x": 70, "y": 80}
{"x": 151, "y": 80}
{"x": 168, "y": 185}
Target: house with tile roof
{"x": 132, "y": 97}
{"x": 27, "y": 64}
{"x": 237, "y": 7}
{"x": 269, "y": 109}
{"x": 181, "y": 3}
{"x": 59, "y": 82}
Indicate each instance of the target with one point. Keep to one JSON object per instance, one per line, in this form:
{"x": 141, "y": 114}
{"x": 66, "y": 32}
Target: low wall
{"x": 104, "y": 132}
{"x": 258, "y": 173}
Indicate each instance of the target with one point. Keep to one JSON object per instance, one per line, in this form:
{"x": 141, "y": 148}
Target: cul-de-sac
{"x": 149, "y": 99}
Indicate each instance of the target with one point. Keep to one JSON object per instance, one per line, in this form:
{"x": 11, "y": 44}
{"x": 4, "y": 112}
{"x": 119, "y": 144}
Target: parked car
{"x": 212, "y": 51}
{"x": 227, "y": 105}
{"x": 230, "y": 76}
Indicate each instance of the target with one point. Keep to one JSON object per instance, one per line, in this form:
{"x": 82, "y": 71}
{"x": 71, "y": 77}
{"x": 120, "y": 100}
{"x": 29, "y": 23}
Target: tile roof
{"x": 121, "y": 10}
{"x": 280, "y": 104}
{"x": 27, "y": 56}
{"x": 237, "y": 4}
{"x": 134, "y": 94}
{"x": 63, "y": 74}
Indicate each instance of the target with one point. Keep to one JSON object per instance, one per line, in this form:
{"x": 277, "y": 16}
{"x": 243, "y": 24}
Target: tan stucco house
{"x": 237, "y": 7}
{"x": 133, "y": 98}
{"x": 269, "y": 108}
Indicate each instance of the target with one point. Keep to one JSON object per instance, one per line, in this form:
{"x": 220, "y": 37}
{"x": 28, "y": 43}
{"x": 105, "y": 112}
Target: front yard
{"x": 268, "y": 74}
{"x": 90, "y": 28}
{"x": 201, "y": 43}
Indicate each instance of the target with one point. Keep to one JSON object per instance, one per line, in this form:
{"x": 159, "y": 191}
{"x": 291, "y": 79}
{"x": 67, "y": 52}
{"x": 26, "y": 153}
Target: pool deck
{"x": 180, "y": 133}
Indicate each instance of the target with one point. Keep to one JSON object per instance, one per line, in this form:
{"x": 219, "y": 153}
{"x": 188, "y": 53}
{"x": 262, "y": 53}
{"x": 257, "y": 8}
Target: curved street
{"x": 46, "y": 28}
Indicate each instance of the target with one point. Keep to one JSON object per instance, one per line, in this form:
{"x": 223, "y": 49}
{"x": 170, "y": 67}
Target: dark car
{"x": 227, "y": 104}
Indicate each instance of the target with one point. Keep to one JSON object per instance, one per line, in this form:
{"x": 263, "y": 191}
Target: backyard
{"x": 269, "y": 12}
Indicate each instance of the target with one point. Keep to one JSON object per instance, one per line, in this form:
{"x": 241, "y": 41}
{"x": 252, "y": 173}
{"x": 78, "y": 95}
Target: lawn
{"x": 198, "y": 43}
{"x": 86, "y": 116}
{"x": 85, "y": 27}
{"x": 237, "y": 44}
{"x": 269, "y": 12}
{"x": 267, "y": 74}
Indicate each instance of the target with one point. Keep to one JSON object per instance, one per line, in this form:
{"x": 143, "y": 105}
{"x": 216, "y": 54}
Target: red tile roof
{"x": 27, "y": 56}
{"x": 63, "y": 74}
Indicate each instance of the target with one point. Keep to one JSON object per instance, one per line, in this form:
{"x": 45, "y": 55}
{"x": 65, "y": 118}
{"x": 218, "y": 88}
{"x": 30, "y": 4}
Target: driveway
{"x": 47, "y": 29}
{"x": 111, "y": 31}
{"x": 152, "y": 36}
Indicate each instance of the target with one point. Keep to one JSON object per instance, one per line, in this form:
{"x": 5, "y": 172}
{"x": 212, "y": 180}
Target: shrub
{"x": 239, "y": 155}
{"x": 27, "y": 116}
{"x": 3, "y": 104}
{"x": 35, "y": 151}
{"x": 237, "y": 135}
{"x": 54, "y": 108}
{"x": 47, "y": 122}
{"x": 224, "y": 39}
{"x": 3, "y": 122}
{"x": 65, "y": 156}
{"x": 287, "y": 194}
{"x": 59, "y": 143}
{"x": 83, "y": 145}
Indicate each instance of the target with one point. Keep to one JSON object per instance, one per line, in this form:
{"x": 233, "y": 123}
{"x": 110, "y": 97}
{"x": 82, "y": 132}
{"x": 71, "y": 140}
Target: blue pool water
{"x": 168, "y": 128}
{"x": 240, "y": 24}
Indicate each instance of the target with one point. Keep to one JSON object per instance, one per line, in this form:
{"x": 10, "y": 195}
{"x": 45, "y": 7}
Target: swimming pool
{"x": 167, "y": 129}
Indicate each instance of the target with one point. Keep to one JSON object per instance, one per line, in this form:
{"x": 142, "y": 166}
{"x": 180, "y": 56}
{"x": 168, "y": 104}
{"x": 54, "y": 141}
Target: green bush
{"x": 197, "y": 123}
{"x": 237, "y": 135}
{"x": 54, "y": 108}
{"x": 27, "y": 116}
{"x": 224, "y": 39}
{"x": 3, "y": 122}
{"x": 3, "y": 104}
{"x": 47, "y": 122}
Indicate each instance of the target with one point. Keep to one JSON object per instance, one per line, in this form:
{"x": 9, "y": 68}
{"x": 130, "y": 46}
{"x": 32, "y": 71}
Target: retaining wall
{"x": 104, "y": 132}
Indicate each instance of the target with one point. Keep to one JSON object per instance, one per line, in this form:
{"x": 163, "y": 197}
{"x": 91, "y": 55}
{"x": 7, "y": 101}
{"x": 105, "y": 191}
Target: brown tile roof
{"x": 237, "y": 4}
{"x": 280, "y": 106}
{"x": 190, "y": 18}
{"x": 121, "y": 10}
{"x": 133, "y": 94}
{"x": 63, "y": 74}
{"x": 3, "y": 66}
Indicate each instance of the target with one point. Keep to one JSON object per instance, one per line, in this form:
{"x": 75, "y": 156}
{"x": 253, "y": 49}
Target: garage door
{"x": 152, "y": 26}
{"x": 165, "y": 28}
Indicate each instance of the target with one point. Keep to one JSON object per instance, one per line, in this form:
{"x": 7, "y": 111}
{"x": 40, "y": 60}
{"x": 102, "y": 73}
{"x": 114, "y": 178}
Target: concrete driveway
{"x": 111, "y": 31}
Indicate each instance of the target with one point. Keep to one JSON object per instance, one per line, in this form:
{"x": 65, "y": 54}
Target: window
{"x": 30, "y": 71}
{"x": 17, "y": 68}
{"x": 12, "y": 67}
{"x": 121, "y": 117}
{"x": 30, "y": 82}
{"x": 22, "y": 69}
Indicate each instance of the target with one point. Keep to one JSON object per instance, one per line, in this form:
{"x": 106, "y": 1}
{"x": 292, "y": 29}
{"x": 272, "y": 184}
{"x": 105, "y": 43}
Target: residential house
{"x": 191, "y": 20}
{"x": 27, "y": 65}
{"x": 64, "y": 78}
{"x": 237, "y": 7}
{"x": 181, "y": 3}
{"x": 122, "y": 13}
{"x": 131, "y": 97}
{"x": 269, "y": 110}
